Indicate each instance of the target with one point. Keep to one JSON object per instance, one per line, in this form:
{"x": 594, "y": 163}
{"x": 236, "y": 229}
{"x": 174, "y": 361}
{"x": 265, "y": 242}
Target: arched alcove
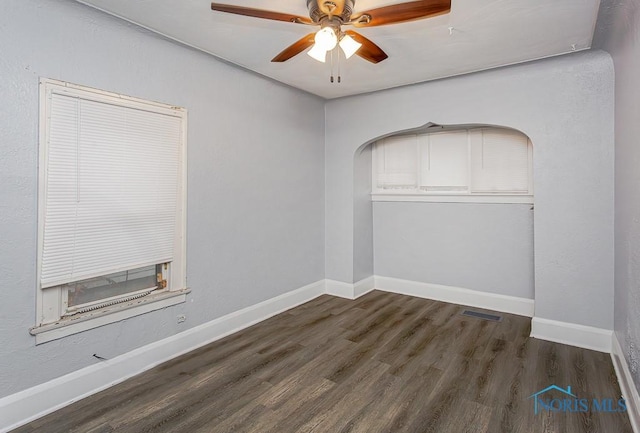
{"x": 573, "y": 171}
{"x": 478, "y": 242}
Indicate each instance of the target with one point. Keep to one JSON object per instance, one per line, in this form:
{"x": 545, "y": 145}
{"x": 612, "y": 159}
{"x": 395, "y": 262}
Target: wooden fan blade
{"x": 260, "y": 13}
{"x": 368, "y": 51}
{"x": 295, "y": 48}
{"x": 401, "y": 12}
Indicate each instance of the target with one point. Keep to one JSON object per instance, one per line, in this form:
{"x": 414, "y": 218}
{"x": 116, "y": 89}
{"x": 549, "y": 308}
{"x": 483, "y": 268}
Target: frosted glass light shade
{"x": 349, "y": 46}
{"x": 318, "y": 53}
{"x": 326, "y": 39}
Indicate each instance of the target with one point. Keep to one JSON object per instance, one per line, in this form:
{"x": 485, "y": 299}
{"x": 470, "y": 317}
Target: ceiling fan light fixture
{"x": 349, "y": 46}
{"x": 318, "y": 53}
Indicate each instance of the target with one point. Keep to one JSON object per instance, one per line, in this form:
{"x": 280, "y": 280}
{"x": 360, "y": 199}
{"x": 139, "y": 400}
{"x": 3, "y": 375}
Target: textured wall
{"x": 619, "y": 33}
{"x": 565, "y": 105}
{"x": 255, "y": 177}
{"x": 486, "y": 247}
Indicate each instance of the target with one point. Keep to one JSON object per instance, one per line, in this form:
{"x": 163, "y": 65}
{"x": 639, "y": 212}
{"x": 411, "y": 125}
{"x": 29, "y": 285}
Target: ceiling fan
{"x": 331, "y": 15}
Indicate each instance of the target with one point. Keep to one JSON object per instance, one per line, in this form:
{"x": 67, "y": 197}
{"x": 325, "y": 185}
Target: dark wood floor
{"x": 382, "y": 363}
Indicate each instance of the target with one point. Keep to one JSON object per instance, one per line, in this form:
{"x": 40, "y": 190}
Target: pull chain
{"x": 338, "y": 65}
{"x": 331, "y": 56}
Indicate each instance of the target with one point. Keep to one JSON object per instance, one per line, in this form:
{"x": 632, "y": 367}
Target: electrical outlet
{"x": 182, "y": 318}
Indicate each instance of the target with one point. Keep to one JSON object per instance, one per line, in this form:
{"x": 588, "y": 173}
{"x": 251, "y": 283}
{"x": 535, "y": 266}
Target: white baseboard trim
{"x": 25, "y": 406}
{"x": 572, "y": 334}
{"x": 627, "y": 386}
{"x": 457, "y": 295}
{"x": 339, "y": 288}
{"x": 364, "y": 286}
{"x": 348, "y": 290}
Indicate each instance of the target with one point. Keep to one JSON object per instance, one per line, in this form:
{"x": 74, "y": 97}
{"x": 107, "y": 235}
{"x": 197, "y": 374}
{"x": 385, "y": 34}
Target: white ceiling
{"x": 485, "y": 34}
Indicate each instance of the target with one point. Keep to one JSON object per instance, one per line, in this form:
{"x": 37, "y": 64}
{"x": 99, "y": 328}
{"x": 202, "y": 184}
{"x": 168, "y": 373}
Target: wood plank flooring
{"x": 384, "y": 363}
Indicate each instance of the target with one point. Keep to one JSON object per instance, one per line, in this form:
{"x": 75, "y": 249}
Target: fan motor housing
{"x": 320, "y": 9}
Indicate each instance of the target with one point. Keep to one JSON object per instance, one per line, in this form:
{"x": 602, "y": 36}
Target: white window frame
{"x": 51, "y": 323}
{"x": 420, "y": 195}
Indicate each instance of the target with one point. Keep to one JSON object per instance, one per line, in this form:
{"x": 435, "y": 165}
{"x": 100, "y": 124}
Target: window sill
{"x": 454, "y": 198}
{"x": 115, "y": 313}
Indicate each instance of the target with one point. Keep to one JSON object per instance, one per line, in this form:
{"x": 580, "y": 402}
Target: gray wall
{"x": 256, "y": 177}
{"x": 363, "y": 213}
{"x": 619, "y": 33}
{"x": 565, "y": 105}
{"x": 486, "y": 247}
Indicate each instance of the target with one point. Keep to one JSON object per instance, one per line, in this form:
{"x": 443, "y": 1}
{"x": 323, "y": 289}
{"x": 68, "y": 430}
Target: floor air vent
{"x": 480, "y": 315}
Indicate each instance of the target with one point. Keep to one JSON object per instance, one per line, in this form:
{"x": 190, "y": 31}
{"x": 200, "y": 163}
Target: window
{"x": 111, "y": 208}
{"x": 477, "y": 165}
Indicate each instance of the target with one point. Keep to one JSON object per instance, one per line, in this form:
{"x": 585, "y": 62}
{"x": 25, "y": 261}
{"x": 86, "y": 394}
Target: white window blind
{"x": 396, "y": 157}
{"x": 111, "y": 188}
{"x": 499, "y": 161}
{"x": 444, "y": 161}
